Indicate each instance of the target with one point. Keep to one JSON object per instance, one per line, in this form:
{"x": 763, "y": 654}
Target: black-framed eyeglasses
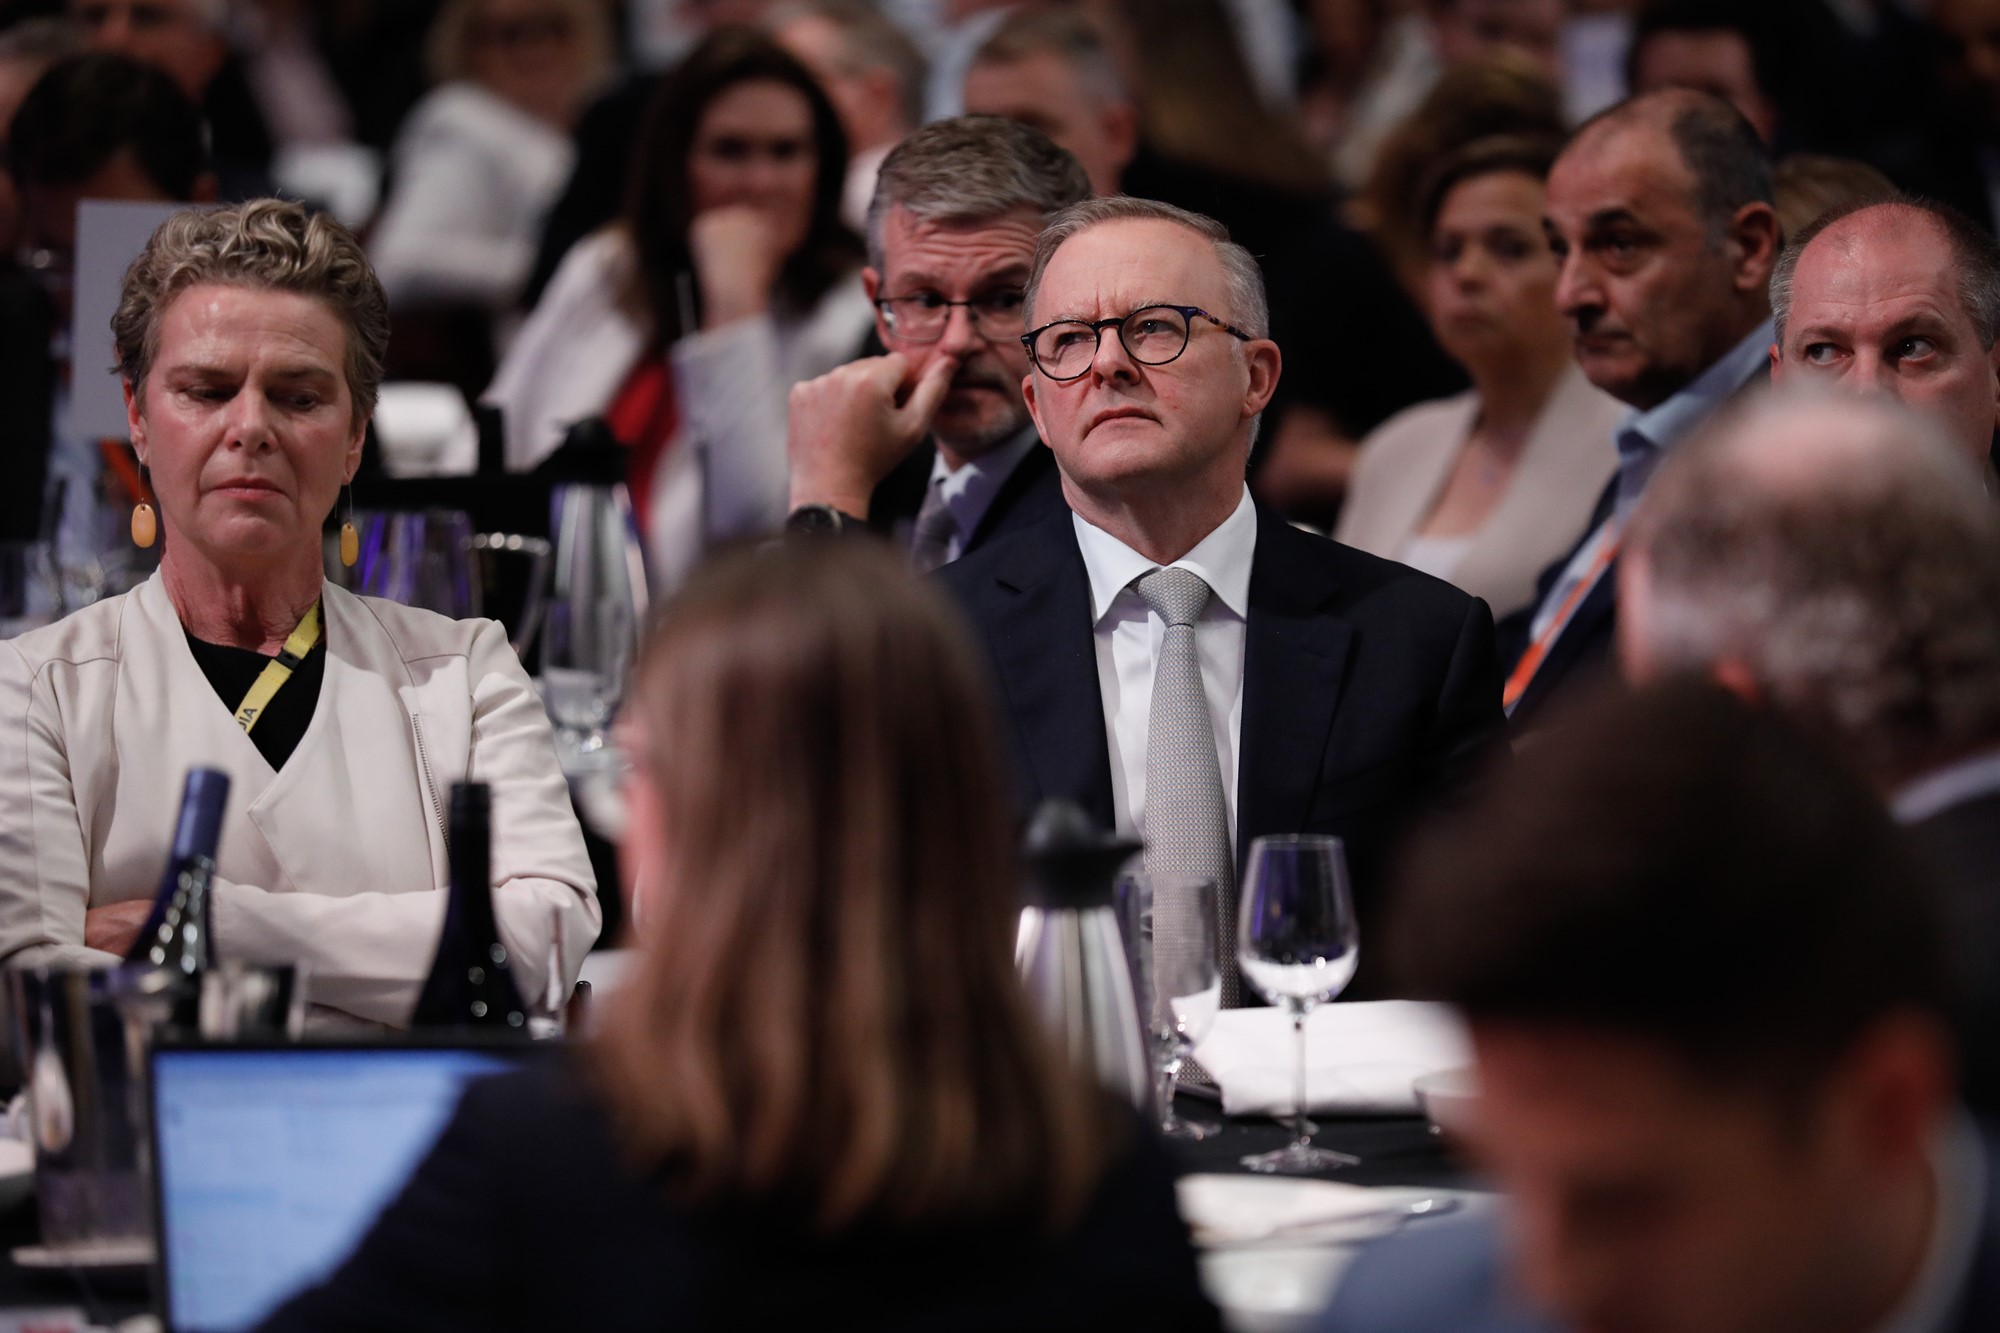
{"x": 922, "y": 316}
{"x": 1153, "y": 335}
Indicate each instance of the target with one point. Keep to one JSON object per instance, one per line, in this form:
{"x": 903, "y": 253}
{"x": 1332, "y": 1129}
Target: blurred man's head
{"x": 1158, "y": 412}
{"x": 1973, "y": 29}
{"x": 868, "y": 65}
{"x": 1837, "y": 558}
{"x": 1900, "y": 298}
{"x": 1710, "y": 46}
{"x": 951, "y": 237}
{"x": 182, "y": 37}
{"x": 1471, "y": 30}
{"x": 102, "y": 127}
{"x": 1660, "y": 213}
{"x": 27, "y": 49}
{"x": 1703, "y": 985}
{"x": 1050, "y": 69}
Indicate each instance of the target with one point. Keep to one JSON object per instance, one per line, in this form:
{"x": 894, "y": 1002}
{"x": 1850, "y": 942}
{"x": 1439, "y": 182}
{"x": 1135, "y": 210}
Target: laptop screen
{"x": 272, "y": 1163}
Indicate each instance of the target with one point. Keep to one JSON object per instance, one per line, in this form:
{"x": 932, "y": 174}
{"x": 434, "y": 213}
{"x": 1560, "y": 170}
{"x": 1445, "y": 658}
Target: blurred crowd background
{"x": 474, "y": 144}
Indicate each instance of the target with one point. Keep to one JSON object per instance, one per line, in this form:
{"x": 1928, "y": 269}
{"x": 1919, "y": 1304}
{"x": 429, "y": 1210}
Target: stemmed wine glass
{"x": 1298, "y": 946}
{"x": 1180, "y": 984}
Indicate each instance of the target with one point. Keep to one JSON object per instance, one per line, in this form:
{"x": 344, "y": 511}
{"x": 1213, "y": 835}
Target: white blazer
{"x": 1406, "y": 461}
{"x": 724, "y": 476}
{"x": 475, "y": 177}
{"x": 337, "y": 860}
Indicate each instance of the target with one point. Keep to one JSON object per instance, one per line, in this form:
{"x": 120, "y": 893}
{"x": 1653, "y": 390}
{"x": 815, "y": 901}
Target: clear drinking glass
{"x": 1298, "y": 947}
{"x": 590, "y": 630}
{"x": 417, "y": 558}
{"x": 1178, "y": 980}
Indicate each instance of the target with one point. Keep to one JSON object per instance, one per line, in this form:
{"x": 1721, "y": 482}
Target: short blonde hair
{"x": 264, "y": 245}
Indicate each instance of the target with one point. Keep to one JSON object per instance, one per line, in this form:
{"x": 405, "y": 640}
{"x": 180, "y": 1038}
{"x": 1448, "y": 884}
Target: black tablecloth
{"x": 1394, "y": 1150}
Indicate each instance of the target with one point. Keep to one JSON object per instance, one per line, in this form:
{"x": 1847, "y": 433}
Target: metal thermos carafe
{"x": 1072, "y": 959}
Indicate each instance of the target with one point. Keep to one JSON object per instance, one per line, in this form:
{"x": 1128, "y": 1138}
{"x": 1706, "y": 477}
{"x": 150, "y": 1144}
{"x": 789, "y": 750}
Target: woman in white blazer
{"x": 730, "y": 278}
{"x": 478, "y": 163}
{"x": 251, "y": 341}
{"x": 1486, "y": 488}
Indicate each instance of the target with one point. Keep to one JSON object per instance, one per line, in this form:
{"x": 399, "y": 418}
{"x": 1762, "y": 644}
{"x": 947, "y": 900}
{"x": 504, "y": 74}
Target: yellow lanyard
{"x": 279, "y": 670}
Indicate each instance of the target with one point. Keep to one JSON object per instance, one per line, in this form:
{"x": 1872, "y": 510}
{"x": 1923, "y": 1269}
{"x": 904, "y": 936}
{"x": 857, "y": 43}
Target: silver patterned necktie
{"x": 1187, "y": 822}
{"x": 930, "y": 541}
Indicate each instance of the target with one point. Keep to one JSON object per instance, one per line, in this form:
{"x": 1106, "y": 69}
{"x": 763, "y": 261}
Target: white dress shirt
{"x": 969, "y": 492}
{"x": 1128, "y": 633}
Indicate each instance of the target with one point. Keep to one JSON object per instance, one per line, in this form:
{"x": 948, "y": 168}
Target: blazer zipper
{"x": 424, "y": 762}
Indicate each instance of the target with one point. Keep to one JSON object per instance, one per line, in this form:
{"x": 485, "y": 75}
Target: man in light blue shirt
{"x": 1659, "y": 212}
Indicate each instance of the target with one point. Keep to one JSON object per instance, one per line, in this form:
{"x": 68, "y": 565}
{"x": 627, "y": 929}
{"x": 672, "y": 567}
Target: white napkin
{"x": 1361, "y": 1057}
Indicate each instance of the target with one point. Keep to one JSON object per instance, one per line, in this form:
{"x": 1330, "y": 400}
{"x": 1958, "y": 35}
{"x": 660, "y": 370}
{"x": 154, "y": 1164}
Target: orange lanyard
{"x": 1538, "y": 649}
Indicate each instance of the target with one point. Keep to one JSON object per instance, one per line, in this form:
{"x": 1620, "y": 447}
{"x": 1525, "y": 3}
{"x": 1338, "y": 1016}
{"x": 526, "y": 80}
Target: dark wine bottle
{"x": 176, "y": 935}
{"x": 471, "y": 982}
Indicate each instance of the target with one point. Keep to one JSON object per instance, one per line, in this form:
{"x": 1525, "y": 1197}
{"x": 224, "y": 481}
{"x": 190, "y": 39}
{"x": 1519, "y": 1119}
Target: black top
{"x": 523, "y": 1216}
{"x": 232, "y": 671}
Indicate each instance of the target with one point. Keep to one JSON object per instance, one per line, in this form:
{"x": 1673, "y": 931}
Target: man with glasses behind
{"x": 931, "y": 443}
{"x": 1175, "y": 658}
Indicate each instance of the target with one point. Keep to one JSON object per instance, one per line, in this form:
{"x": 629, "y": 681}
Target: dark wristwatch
{"x": 822, "y": 521}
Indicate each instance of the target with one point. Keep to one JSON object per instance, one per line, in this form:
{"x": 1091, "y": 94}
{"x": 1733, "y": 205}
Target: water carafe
{"x": 1069, "y": 950}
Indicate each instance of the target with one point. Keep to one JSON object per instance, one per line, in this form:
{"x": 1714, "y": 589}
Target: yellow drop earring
{"x": 145, "y": 526}
{"x": 350, "y": 540}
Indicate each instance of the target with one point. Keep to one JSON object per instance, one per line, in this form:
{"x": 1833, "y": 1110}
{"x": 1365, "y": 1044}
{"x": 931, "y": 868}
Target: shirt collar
{"x": 1947, "y": 786}
{"x": 1644, "y": 437}
{"x": 1222, "y": 558}
{"x": 969, "y": 491}
{"x": 1958, "y": 1162}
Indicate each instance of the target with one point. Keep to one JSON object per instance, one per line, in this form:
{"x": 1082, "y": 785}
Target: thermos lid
{"x": 589, "y": 454}
{"x": 1072, "y": 862}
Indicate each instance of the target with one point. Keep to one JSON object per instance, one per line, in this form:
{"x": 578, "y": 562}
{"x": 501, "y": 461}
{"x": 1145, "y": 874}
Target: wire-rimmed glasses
{"x": 921, "y": 317}
{"x": 1153, "y": 335}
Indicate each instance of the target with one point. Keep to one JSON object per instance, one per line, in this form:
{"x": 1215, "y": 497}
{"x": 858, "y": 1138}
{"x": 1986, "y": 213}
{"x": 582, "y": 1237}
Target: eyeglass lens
{"x": 1153, "y": 336}
{"x": 922, "y": 318}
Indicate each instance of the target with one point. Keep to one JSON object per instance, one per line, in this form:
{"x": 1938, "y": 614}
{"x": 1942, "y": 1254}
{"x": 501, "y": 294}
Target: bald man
{"x": 1900, "y": 298}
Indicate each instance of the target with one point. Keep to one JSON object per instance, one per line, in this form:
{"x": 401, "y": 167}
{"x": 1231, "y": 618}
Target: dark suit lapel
{"x": 1295, "y": 654}
{"x": 1979, "y": 1302}
{"x": 1047, "y": 658}
{"x": 900, "y": 494}
{"x": 1034, "y": 465}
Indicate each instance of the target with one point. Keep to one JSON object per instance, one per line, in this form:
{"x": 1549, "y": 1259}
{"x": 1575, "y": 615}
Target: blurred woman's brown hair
{"x": 827, "y": 1010}
{"x": 1502, "y": 95}
{"x": 1197, "y": 100}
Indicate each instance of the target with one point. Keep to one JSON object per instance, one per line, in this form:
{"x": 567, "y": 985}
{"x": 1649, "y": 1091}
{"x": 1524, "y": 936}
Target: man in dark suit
{"x": 1175, "y": 658}
{"x": 931, "y": 443}
{"x": 1839, "y": 558}
{"x": 1659, "y": 211}
{"x": 1706, "y": 994}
